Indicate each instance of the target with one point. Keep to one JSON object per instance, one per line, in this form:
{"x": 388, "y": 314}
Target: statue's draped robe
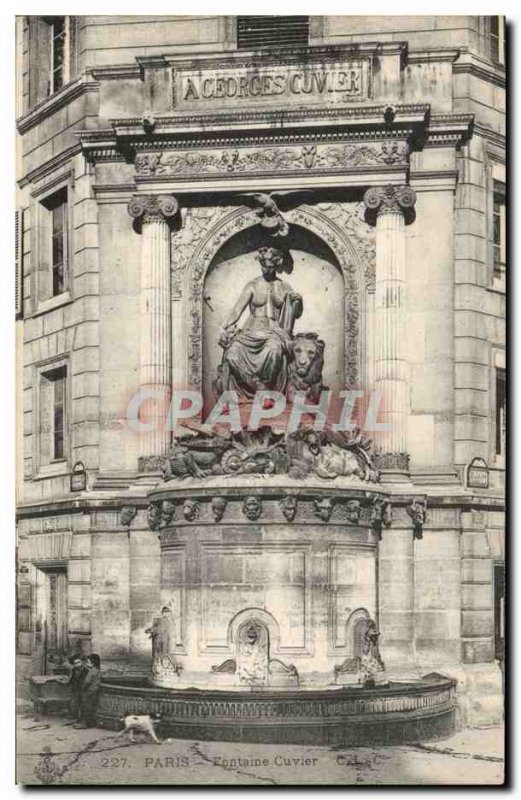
{"x": 258, "y": 354}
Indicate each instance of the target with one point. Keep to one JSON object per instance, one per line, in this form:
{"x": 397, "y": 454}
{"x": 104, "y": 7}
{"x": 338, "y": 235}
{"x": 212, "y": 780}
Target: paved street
{"x": 51, "y": 751}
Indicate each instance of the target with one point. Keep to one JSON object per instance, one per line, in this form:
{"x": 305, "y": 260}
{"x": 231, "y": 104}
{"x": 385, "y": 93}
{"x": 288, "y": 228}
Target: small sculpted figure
{"x": 127, "y": 515}
{"x": 253, "y": 654}
{"x": 418, "y": 513}
{"x": 353, "y": 511}
{"x": 154, "y": 516}
{"x": 218, "y": 508}
{"x": 371, "y": 660}
{"x": 162, "y": 633}
{"x": 167, "y": 512}
{"x": 323, "y": 508}
{"x": 289, "y": 507}
{"x": 252, "y": 507}
{"x": 190, "y": 510}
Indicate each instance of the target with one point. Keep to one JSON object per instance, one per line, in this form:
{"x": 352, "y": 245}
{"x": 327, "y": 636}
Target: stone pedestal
{"x": 294, "y": 562}
{"x": 152, "y": 214}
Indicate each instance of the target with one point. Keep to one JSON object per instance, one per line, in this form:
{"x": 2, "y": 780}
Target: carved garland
{"x": 297, "y": 158}
{"x": 340, "y": 225}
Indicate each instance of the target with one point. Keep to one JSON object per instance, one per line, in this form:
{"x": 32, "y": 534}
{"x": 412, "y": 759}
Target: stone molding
{"x": 75, "y": 88}
{"x": 392, "y": 461}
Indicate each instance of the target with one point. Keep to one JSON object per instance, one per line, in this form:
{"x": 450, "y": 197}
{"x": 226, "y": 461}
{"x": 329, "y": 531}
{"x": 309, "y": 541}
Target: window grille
{"x": 255, "y": 32}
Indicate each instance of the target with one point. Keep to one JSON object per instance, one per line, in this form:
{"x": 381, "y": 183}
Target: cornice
{"x": 433, "y": 180}
{"x": 49, "y": 166}
{"x": 438, "y": 54}
{"x": 119, "y": 72}
{"x": 405, "y": 113}
{"x": 495, "y": 138}
{"x": 412, "y": 123}
{"x": 447, "y": 130}
{"x": 365, "y": 122}
{"x": 245, "y": 58}
{"x": 85, "y": 83}
{"x": 297, "y": 137}
{"x": 471, "y": 64}
{"x": 55, "y": 181}
{"x": 118, "y": 497}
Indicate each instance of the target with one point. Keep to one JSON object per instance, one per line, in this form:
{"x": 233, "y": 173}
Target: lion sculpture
{"x": 305, "y": 367}
{"x": 329, "y": 455}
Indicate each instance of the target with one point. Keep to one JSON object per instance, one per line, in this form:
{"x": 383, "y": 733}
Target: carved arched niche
{"x": 333, "y": 233}
{"x": 316, "y": 276}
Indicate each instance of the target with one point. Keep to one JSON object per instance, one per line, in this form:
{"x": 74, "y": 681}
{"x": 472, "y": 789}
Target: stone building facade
{"x": 141, "y": 141}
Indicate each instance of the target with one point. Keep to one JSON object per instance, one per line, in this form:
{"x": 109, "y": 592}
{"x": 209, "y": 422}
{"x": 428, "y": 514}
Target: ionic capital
{"x": 390, "y": 200}
{"x": 150, "y": 207}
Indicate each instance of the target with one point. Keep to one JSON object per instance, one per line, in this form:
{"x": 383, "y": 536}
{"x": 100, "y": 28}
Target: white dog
{"x": 139, "y": 724}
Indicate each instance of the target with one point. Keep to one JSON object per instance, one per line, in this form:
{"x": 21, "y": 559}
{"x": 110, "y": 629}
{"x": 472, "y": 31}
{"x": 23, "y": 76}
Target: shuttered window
{"x": 264, "y": 31}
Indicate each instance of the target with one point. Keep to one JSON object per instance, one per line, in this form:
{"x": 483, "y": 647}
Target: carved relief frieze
{"x": 196, "y": 222}
{"x": 297, "y": 158}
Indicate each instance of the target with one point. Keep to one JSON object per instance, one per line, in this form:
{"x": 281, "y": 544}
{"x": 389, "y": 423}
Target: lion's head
{"x": 308, "y": 358}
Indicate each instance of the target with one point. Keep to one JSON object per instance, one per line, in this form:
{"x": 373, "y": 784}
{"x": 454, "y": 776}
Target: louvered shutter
{"x": 264, "y": 31}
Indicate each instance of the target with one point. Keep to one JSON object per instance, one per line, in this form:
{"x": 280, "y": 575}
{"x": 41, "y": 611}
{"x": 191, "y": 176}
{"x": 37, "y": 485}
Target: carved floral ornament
{"x": 297, "y": 158}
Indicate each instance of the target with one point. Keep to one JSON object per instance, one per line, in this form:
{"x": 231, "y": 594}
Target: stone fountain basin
{"x": 387, "y": 714}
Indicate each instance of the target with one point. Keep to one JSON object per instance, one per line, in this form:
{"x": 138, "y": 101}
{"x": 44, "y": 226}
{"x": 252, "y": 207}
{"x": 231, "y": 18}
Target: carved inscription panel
{"x": 252, "y": 85}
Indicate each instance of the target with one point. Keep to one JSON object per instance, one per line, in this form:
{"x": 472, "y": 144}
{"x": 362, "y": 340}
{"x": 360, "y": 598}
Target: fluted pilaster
{"x": 152, "y": 213}
{"x": 390, "y": 208}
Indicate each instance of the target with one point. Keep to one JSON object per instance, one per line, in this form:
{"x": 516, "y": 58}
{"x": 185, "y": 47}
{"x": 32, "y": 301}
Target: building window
{"x": 58, "y": 41}
{"x": 54, "y": 245}
{"x": 50, "y": 53}
{"x": 495, "y": 38}
{"x": 501, "y": 413}
{"x": 59, "y": 242}
{"x": 18, "y": 258}
{"x": 499, "y": 229}
{"x": 53, "y": 415}
{"x": 277, "y": 31}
